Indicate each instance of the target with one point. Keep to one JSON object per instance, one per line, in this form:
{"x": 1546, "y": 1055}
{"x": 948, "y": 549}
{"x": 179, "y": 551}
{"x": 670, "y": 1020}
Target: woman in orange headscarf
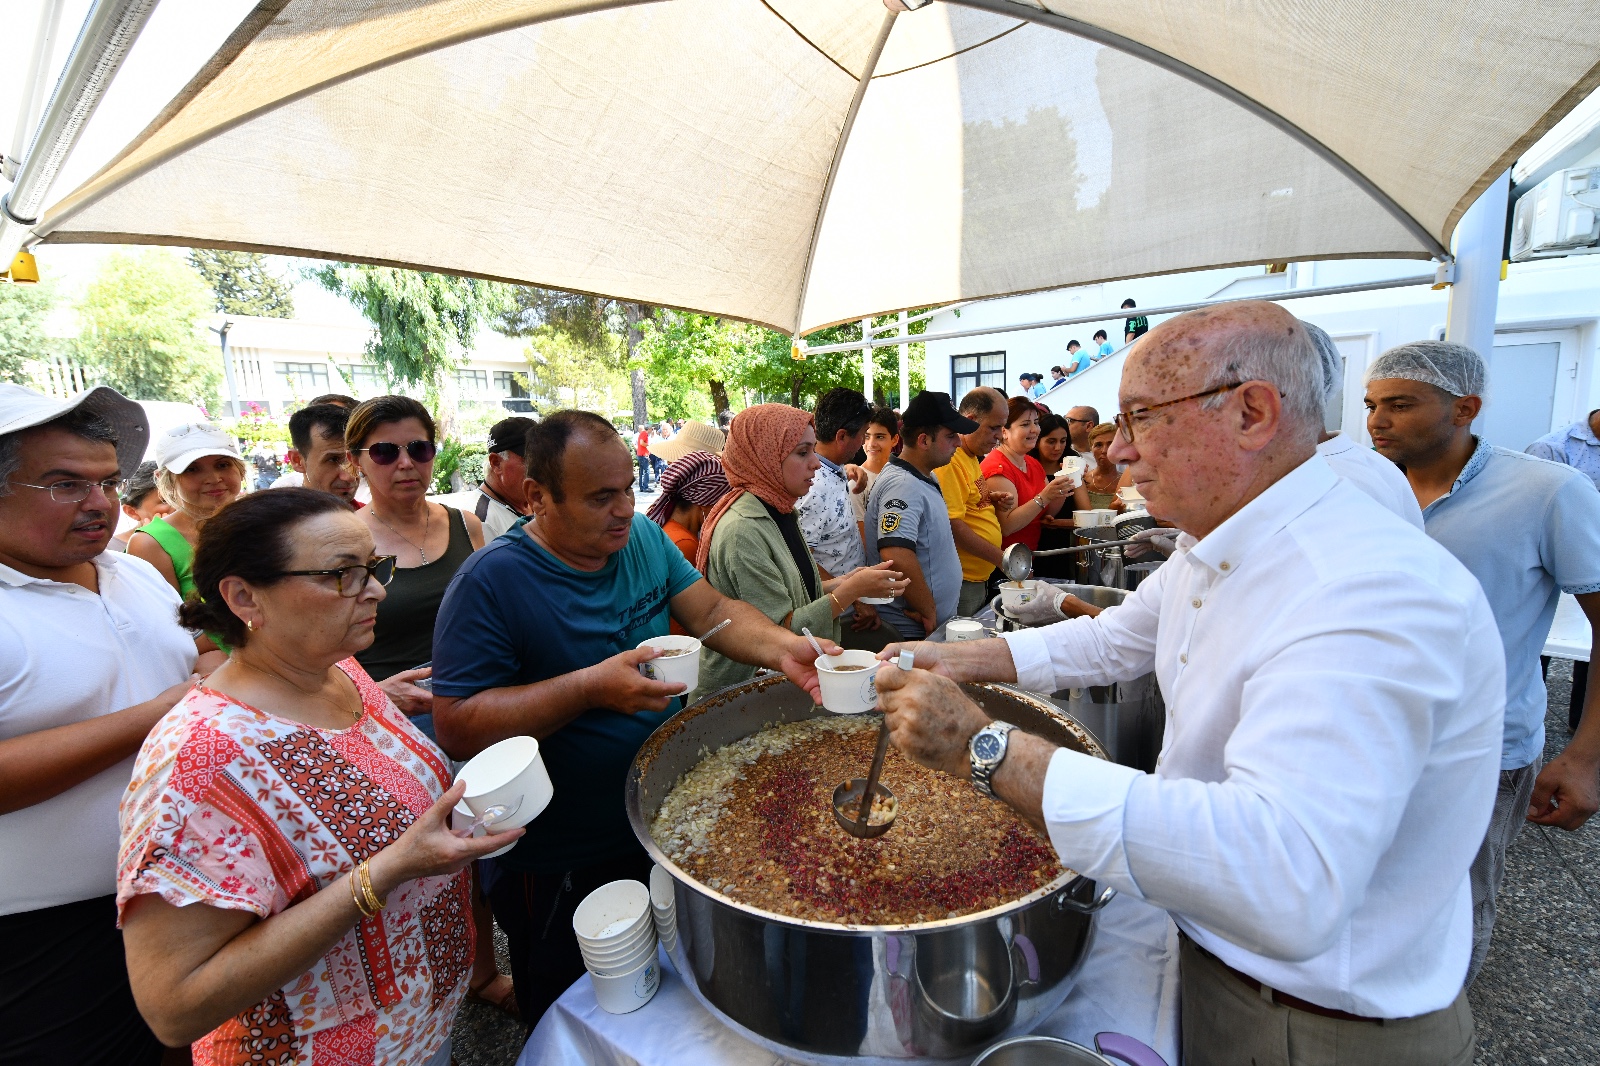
{"x": 750, "y": 543}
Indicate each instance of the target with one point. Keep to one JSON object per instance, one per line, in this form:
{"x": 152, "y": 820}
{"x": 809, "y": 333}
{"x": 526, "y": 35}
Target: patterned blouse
{"x": 235, "y": 808}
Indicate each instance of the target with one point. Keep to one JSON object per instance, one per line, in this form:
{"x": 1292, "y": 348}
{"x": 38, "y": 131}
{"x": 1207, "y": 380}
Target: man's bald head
{"x": 1251, "y": 340}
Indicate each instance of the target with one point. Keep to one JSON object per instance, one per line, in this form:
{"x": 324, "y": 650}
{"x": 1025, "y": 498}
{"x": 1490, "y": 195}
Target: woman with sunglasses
{"x": 289, "y": 887}
{"x": 391, "y": 440}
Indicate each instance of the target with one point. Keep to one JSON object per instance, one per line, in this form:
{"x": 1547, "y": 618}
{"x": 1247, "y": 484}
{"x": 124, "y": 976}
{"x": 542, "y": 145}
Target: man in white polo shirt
{"x": 91, "y": 656}
{"x": 1334, "y": 690}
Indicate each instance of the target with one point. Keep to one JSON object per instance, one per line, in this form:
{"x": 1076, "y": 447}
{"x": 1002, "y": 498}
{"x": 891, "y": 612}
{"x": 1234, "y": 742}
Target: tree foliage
{"x": 425, "y": 322}
{"x": 23, "y": 310}
{"x": 567, "y": 371}
{"x": 242, "y": 284}
{"x": 141, "y": 329}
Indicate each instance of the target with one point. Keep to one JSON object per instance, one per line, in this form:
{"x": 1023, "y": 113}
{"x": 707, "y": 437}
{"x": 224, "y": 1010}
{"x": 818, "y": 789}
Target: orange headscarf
{"x": 759, "y": 440}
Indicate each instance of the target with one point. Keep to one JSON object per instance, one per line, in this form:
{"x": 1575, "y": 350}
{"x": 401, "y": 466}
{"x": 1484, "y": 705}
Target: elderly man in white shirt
{"x": 1333, "y": 688}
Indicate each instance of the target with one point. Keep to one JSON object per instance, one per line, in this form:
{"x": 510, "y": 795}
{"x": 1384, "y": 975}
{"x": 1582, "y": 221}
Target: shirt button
{"x": 1223, "y": 566}
{"x": 1196, "y": 601}
{"x": 1184, "y": 658}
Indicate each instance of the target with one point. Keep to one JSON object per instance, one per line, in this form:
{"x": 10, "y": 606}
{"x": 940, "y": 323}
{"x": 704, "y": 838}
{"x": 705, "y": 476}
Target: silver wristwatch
{"x": 987, "y": 750}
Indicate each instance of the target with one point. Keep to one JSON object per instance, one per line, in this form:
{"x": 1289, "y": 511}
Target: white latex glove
{"x": 1146, "y": 541}
{"x": 1042, "y": 609}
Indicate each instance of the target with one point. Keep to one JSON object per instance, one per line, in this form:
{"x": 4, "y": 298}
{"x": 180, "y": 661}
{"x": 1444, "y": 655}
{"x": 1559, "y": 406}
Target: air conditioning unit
{"x": 1559, "y": 216}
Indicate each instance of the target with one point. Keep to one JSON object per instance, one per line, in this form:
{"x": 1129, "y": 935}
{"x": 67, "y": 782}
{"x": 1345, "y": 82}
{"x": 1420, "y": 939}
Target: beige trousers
{"x": 1226, "y": 1023}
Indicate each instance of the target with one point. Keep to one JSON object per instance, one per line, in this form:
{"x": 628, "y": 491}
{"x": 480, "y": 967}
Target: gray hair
{"x": 1454, "y": 368}
{"x": 1290, "y": 362}
{"x": 981, "y": 401}
{"x": 82, "y": 423}
{"x": 1328, "y": 352}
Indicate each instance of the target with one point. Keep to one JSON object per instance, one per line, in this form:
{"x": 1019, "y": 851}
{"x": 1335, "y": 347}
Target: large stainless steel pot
{"x": 1129, "y": 718}
{"x": 826, "y": 993}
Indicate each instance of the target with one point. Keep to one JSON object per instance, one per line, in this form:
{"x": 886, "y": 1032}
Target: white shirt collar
{"x": 16, "y": 578}
{"x": 1225, "y": 547}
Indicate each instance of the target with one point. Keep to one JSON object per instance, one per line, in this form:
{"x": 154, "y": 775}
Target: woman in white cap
{"x": 199, "y": 472}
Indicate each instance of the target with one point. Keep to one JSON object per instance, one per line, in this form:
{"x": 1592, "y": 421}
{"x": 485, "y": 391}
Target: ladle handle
{"x": 872, "y": 775}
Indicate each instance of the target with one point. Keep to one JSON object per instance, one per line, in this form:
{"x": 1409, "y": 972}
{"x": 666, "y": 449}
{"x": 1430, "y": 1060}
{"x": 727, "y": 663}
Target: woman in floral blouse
{"x": 289, "y": 888}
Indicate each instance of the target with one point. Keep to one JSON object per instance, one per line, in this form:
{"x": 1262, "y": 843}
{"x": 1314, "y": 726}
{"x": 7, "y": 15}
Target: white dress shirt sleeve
{"x": 1119, "y": 644}
{"x": 1336, "y": 722}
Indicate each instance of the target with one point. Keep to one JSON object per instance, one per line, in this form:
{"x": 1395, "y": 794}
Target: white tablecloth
{"x": 1128, "y": 984}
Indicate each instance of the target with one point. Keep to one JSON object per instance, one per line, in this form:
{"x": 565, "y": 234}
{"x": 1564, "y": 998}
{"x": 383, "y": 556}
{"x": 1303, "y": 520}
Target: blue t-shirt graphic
{"x": 514, "y": 614}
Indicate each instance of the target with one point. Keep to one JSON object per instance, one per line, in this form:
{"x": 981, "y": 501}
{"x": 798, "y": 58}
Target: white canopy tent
{"x": 799, "y": 163}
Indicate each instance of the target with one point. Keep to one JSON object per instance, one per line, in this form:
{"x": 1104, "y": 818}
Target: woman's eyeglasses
{"x": 353, "y": 579}
{"x": 385, "y": 454}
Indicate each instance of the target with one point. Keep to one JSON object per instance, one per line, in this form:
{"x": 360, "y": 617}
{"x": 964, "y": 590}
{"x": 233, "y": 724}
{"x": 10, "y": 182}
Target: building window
{"x": 507, "y": 386}
{"x": 967, "y": 372}
{"x": 305, "y": 380}
{"x": 472, "y": 382}
{"x": 364, "y": 379}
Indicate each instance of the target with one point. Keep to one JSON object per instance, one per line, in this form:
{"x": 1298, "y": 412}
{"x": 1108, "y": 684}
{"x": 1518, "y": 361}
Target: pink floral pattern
{"x": 235, "y": 808}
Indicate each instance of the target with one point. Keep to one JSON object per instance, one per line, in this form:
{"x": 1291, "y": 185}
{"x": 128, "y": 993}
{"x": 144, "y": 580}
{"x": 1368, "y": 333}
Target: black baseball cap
{"x": 934, "y": 409}
{"x": 510, "y": 435}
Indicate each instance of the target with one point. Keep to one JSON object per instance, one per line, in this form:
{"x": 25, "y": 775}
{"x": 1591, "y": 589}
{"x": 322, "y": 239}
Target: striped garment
{"x": 238, "y": 809}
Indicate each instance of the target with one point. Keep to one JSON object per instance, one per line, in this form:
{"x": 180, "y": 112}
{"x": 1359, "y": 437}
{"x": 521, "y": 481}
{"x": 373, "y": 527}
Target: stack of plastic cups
{"x": 662, "y": 907}
{"x": 617, "y": 936}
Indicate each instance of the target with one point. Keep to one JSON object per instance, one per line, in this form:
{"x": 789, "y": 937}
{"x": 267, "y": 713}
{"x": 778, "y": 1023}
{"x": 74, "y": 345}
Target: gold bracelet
{"x": 837, "y": 605}
{"x": 366, "y": 886}
{"x": 355, "y": 894}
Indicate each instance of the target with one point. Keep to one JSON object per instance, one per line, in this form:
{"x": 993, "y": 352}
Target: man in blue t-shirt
{"x": 1104, "y": 345}
{"x": 538, "y": 635}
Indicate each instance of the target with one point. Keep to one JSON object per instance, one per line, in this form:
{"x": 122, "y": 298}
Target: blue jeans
{"x": 645, "y": 467}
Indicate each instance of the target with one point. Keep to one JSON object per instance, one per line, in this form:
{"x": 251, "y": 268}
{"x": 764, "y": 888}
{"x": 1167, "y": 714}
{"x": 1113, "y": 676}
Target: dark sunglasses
{"x": 386, "y": 454}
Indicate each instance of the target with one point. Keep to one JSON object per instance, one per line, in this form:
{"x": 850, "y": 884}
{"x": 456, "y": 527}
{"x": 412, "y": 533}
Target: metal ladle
{"x": 852, "y": 800}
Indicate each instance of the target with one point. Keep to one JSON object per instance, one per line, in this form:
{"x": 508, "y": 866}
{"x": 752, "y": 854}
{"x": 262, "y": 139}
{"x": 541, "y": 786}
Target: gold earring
{"x": 251, "y": 626}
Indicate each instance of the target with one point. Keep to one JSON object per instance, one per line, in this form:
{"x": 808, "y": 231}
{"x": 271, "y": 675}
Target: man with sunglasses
{"x": 1334, "y": 684}
{"x": 543, "y": 633}
{"x": 91, "y": 656}
{"x": 1080, "y": 420}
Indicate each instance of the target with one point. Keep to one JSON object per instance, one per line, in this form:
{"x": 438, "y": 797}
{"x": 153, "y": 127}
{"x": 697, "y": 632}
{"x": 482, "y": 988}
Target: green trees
{"x": 242, "y": 284}
{"x": 141, "y": 330}
{"x": 422, "y": 319}
{"x": 23, "y": 310}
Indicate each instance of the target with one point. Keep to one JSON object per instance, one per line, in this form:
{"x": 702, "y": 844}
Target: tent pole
{"x": 1480, "y": 243}
{"x": 905, "y": 362}
{"x": 866, "y": 358}
{"x": 103, "y": 43}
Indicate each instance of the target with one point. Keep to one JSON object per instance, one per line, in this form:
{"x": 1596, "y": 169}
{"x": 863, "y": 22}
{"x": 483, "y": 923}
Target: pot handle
{"x": 1030, "y": 958}
{"x": 1065, "y": 902}
{"x": 1125, "y": 1048}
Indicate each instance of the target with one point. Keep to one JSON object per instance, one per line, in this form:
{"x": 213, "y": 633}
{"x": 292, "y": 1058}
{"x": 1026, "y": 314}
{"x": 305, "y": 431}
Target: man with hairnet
{"x": 1362, "y": 467}
{"x": 1528, "y": 530}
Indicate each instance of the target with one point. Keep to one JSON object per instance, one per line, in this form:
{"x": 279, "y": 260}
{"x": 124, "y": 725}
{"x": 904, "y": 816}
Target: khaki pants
{"x": 1510, "y": 811}
{"x": 974, "y": 594}
{"x": 1225, "y": 1022}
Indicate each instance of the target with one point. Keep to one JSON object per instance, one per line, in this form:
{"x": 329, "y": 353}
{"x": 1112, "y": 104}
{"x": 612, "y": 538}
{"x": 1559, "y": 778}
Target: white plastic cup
{"x": 849, "y": 691}
{"x": 623, "y": 961}
{"x": 609, "y": 914}
{"x": 613, "y": 948}
{"x": 1071, "y": 467}
{"x": 958, "y": 629}
{"x": 662, "y": 896}
{"x": 509, "y": 774}
{"x": 1108, "y": 515}
{"x": 1086, "y": 519}
{"x": 626, "y": 992}
{"x": 876, "y": 601}
{"x": 1014, "y": 594}
{"x": 680, "y": 666}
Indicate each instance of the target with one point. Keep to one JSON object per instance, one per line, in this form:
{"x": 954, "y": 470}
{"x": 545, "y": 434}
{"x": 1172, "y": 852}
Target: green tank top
{"x": 181, "y": 552}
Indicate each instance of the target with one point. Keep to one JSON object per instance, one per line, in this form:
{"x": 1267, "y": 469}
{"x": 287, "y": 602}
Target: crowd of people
{"x": 1080, "y": 358}
{"x": 226, "y": 747}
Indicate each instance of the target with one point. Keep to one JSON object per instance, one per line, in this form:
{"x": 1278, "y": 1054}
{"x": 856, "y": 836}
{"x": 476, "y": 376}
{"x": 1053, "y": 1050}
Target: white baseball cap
{"x": 23, "y": 408}
{"x": 182, "y": 445}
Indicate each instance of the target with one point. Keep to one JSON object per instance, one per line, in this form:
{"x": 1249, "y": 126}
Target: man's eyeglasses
{"x": 1125, "y": 419}
{"x": 1081, "y": 421}
{"x": 385, "y": 454}
{"x": 353, "y": 579}
{"x": 76, "y": 491}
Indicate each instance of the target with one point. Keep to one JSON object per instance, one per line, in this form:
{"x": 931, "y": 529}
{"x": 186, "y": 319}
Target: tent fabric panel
{"x": 1058, "y": 161}
{"x": 577, "y": 153}
{"x": 843, "y": 30}
{"x": 1413, "y": 95}
{"x": 309, "y": 43}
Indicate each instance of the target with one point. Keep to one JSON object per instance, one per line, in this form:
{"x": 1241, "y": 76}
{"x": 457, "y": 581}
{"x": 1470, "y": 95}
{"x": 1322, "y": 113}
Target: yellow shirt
{"x": 960, "y": 480}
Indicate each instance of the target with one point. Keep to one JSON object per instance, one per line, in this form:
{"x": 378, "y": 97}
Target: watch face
{"x": 986, "y": 747}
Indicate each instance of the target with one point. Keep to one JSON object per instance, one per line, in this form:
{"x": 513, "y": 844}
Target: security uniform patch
{"x": 888, "y": 523}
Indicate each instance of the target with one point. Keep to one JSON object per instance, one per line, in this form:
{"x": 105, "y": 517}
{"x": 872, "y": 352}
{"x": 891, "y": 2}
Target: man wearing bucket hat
{"x": 1529, "y": 530}
{"x": 91, "y": 656}
{"x": 543, "y": 634}
{"x": 1335, "y": 688}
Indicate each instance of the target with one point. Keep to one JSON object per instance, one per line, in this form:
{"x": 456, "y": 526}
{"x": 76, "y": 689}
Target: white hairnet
{"x": 1455, "y": 368}
{"x": 1328, "y": 353}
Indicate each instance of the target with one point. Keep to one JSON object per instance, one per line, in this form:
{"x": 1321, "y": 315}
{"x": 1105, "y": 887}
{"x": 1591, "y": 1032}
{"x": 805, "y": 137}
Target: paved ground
{"x": 1537, "y": 1002}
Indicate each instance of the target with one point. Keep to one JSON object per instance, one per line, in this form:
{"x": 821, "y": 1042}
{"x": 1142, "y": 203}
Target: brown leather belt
{"x": 1282, "y": 999}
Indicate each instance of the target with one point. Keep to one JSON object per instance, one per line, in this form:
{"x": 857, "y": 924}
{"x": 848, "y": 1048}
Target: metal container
{"x": 828, "y": 993}
{"x": 1129, "y": 718}
{"x": 1051, "y": 1051}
